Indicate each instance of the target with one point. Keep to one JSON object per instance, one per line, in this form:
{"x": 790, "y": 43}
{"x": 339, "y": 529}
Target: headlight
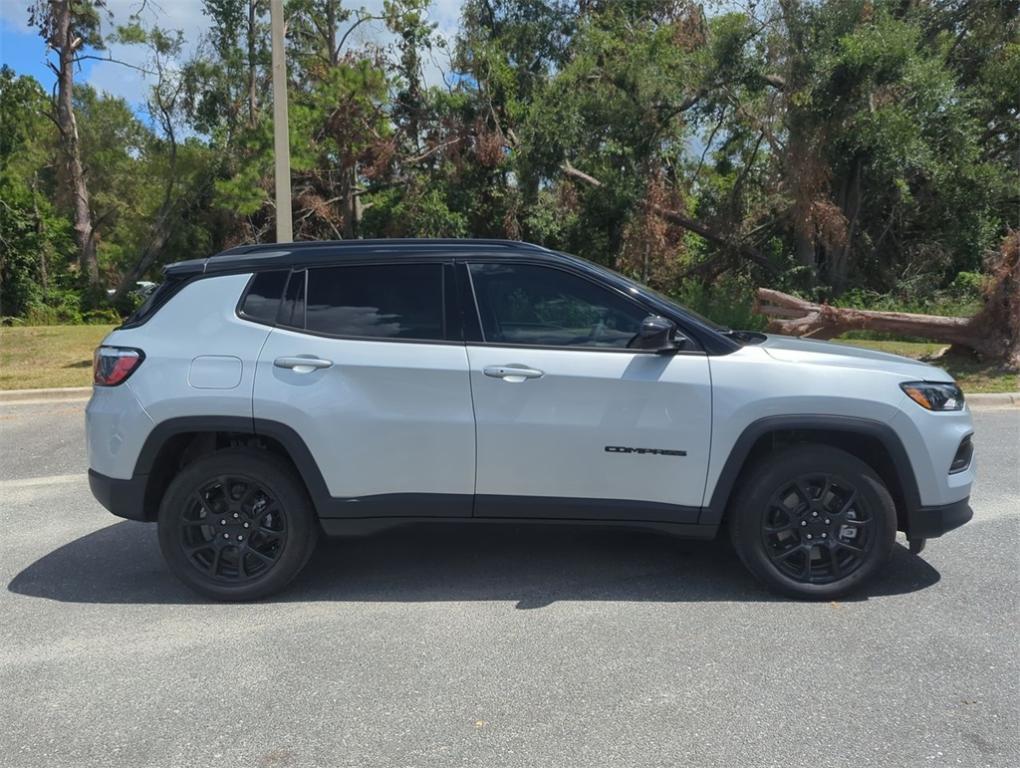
{"x": 934, "y": 396}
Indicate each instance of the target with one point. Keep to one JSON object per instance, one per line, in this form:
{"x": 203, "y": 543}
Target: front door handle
{"x": 512, "y": 372}
{"x": 302, "y": 364}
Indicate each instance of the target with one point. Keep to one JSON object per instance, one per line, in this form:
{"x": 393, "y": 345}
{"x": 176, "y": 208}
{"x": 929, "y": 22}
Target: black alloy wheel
{"x": 817, "y": 529}
{"x": 233, "y": 530}
{"x": 237, "y": 524}
{"x": 812, "y": 521}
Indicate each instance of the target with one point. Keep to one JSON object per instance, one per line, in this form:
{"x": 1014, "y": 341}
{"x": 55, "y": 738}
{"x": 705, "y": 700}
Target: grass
{"x": 43, "y": 356}
{"x": 61, "y": 356}
{"x": 970, "y": 374}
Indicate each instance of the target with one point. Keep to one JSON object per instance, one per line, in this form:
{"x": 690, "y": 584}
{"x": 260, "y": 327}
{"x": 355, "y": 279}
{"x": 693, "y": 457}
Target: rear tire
{"x": 812, "y": 521}
{"x": 237, "y": 525}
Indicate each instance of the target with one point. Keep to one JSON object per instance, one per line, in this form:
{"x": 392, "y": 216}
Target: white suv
{"x": 271, "y": 392}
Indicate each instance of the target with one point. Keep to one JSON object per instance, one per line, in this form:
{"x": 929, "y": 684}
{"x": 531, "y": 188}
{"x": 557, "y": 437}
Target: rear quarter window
{"x": 261, "y": 302}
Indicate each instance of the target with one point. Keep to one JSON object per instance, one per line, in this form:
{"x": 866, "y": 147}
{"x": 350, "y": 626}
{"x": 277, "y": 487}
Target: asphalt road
{"x": 503, "y": 646}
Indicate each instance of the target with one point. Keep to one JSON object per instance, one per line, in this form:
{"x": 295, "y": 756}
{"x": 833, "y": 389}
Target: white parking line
{"x": 31, "y": 482}
{"x": 47, "y": 401}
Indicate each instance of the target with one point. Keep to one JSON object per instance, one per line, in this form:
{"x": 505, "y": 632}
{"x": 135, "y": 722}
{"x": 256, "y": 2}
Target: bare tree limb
{"x": 361, "y": 20}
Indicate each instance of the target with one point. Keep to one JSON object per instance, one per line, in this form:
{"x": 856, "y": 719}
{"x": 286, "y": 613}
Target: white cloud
{"x": 14, "y": 14}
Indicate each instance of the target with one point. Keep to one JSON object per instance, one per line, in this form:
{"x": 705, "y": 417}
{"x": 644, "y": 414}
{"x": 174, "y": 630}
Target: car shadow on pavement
{"x": 533, "y": 565}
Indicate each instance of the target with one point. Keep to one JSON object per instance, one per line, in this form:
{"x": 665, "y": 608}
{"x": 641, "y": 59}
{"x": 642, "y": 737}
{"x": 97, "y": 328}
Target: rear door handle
{"x": 512, "y": 372}
{"x": 302, "y": 364}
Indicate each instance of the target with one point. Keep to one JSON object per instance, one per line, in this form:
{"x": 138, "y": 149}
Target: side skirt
{"x": 366, "y": 526}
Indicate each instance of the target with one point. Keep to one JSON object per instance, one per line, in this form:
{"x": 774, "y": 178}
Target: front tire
{"x": 237, "y": 525}
{"x": 812, "y": 521}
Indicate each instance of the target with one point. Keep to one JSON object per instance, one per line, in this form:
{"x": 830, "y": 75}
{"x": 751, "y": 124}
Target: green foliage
{"x": 855, "y": 151}
{"x": 35, "y": 240}
{"x": 727, "y": 301}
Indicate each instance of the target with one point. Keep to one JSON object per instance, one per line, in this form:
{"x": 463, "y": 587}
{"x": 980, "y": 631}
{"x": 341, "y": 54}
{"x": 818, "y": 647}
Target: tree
{"x": 34, "y": 238}
{"x": 164, "y": 106}
{"x": 68, "y": 26}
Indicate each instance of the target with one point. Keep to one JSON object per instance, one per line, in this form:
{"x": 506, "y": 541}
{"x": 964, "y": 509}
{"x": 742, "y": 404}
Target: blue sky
{"x": 24, "y": 51}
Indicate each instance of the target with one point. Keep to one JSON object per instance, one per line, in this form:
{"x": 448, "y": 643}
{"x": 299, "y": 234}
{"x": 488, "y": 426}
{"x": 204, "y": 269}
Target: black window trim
{"x": 451, "y": 335}
{"x": 636, "y": 300}
{"x": 283, "y": 299}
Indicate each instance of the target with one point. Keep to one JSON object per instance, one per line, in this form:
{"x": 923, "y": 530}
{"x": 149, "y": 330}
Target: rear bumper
{"x": 929, "y": 522}
{"x": 124, "y": 498}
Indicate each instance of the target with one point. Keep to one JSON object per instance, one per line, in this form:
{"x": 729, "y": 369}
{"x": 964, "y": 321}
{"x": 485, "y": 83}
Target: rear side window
{"x": 391, "y": 301}
{"x": 262, "y": 302}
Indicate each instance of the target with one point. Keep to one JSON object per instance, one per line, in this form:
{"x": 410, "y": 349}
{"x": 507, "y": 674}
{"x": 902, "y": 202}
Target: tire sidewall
{"x": 750, "y": 506}
{"x": 259, "y": 467}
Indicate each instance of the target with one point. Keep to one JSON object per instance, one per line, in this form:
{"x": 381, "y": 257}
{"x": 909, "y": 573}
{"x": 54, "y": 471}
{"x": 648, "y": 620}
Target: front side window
{"x": 543, "y": 306}
{"x": 392, "y": 301}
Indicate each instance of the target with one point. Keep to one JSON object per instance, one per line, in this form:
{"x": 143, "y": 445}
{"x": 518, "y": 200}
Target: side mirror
{"x": 658, "y": 334}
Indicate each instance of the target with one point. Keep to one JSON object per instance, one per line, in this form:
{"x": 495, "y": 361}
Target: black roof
{"x": 273, "y": 255}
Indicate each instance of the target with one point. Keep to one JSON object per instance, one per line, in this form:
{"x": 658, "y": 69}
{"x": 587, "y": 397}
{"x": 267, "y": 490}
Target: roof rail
{"x": 377, "y": 243}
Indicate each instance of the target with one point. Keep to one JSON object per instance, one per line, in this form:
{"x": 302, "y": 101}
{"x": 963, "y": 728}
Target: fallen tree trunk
{"x": 993, "y": 333}
{"x": 793, "y": 316}
{"x": 821, "y": 321}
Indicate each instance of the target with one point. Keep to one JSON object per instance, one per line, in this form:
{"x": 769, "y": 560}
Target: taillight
{"x": 112, "y": 365}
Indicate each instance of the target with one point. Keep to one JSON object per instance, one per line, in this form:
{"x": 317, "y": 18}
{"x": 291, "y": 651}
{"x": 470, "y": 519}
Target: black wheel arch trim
{"x": 292, "y": 443}
{"x": 853, "y": 425}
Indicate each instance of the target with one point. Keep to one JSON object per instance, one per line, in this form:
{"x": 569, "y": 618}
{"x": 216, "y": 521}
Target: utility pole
{"x": 281, "y": 133}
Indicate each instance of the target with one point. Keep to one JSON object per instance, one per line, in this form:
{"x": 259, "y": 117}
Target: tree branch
{"x": 90, "y": 57}
{"x": 361, "y": 20}
{"x": 675, "y": 217}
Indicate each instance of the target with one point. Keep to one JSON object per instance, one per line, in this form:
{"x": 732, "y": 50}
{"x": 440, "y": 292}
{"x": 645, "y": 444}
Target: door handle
{"x": 302, "y": 364}
{"x": 512, "y": 372}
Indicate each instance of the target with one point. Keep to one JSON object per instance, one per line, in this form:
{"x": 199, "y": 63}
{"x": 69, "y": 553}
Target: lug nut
{"x": 226, "y": 535}
{"x": 827, "y": 521}
{"x": 825, "y": 535}
{"x": 810, "y": 536}
{"x": 803, "y": 523}
{"x": 813, "y": 514}
{"x": 235, "y": 515}
{"x": 240, "y": 538}
{"x": 246, "y": 525}
{"x": 223, "y": 522}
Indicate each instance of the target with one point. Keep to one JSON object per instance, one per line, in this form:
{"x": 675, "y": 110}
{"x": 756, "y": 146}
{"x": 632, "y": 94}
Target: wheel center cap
{"x": 229, "y": 528}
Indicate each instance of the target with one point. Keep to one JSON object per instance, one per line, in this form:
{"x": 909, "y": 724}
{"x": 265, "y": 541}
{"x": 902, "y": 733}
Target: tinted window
{"x": 395, "y": 301}
{"x": 529, "y": 304}
{"x": 263, "y": 299}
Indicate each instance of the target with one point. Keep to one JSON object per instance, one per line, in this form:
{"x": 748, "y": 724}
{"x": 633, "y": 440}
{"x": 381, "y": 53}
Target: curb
{"x": 52, "y": 393}
{"x": 994, "y": 398}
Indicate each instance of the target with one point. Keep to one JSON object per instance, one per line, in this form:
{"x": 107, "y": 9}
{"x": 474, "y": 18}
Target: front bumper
{"x": 124, "y": 498}
{"x": 929, "y": 522}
